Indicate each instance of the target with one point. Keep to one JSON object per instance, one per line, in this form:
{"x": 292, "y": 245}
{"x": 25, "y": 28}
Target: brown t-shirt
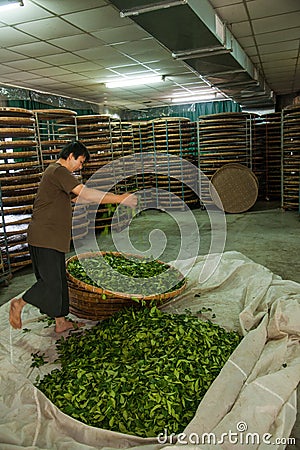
{"x": 51, "y": 222}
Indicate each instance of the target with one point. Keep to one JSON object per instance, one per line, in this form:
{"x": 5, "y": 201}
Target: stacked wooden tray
{"x": 105, "y": 217}
{"x": 273, "y": 130}
{"x": 291, "y": 157}
{"x": 20, "y": 172}
{"x": 142, "y": 143}
{"x": 223, "y": 139}
{"x": 257, "y": 164}
{"x": 55, "y": 129}
{"x": 107, "y": 139}
{"x": 141, "y": 134}
{"x": 176, "y": 182}
{"x": 80, "y": 222}
{"x": 5, "y": 269}
{"x": 173, "y": 135}
{"x": 167, "y": 137}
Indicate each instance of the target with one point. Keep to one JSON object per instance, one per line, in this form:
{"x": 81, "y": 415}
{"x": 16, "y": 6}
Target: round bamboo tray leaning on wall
{"x": 237, "y": 187}
{"x": 94, "y": 303}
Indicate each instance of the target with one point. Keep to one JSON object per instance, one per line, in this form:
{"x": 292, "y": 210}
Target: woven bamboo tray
{"x": 77, "y": 237}
{"x": 18, "y": 199}
{"x": 17, "y": 155}
{"x": 170, "y": 119}
{"x": 18, "y": 254}
{"x": 7, "y": 111}
{"x": 92, "y": 302}
{"x": 237, "y": 187}
{"x": 16, "y": 120}
{"x": 17, "y": 222}
{"x": 19, "y": 209}
{"x": 97, "y": 117}
{"x": 10, "y": 132}
{"x": 53, "y": 113}
{"x": 19, "y": 143}
{"x": 50, "y": 142}
{"x": 16, "y": 232}
{"x": 18, "y": 165}
{"x": 17, "y": 265}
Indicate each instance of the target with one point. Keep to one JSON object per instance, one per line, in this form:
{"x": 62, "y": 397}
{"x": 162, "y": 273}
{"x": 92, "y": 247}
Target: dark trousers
{"x": 50, "y": 292}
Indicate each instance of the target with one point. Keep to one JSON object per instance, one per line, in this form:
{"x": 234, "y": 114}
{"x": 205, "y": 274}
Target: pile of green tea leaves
{"x": 97, "y": 271}
{"x": 138, "y": 372}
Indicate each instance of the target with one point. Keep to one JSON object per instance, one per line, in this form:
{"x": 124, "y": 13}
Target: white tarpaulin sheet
{"x": 252, "y": 403}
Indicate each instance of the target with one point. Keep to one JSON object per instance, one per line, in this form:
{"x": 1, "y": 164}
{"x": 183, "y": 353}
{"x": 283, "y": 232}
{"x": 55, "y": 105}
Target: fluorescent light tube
{"x": 193, "y": 99}
{"x": 202, "y": 93}
{"x": 123, "y": 82}
{"x": 6, "y": 5}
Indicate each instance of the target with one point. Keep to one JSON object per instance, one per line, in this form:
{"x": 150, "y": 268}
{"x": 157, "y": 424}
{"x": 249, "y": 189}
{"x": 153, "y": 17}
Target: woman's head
{"x": 77, "y": 148}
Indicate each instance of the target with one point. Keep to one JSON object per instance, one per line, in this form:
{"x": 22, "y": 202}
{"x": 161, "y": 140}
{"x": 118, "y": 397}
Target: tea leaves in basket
{"x": 117, "y": 272}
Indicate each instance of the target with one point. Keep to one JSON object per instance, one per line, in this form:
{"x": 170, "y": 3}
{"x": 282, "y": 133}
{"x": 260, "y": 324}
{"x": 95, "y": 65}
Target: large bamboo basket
{"x": 95, "y": 306}
{"x": 95, "y": 303}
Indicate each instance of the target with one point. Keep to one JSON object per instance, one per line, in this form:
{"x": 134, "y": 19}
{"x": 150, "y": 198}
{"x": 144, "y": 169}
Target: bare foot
{"x": 62, "y": 324}
{"x": 15, "y": 310}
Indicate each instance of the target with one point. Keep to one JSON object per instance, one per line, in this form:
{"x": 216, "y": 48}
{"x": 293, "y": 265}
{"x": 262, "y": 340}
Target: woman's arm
{"x": 90, "y": 195}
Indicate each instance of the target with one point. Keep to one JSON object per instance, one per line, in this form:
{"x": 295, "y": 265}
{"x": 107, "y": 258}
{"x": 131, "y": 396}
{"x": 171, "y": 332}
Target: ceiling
{"x": 248, "y": 50}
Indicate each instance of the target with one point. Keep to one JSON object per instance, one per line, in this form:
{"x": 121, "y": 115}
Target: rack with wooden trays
{"x": 5, "y": 269}
{"x": 55, "y": 129}
{"x": 224, "y": 138}
{"x": 178, "y": 178}
{"x": 145, "y": 180}
{"x": 258, "y": 152}
{"x": 106, "y": 216}
{"x": 107, "y": 139}
{"x": 174, "y": 135}
{"x": 163, "y": 138}
{"x": 20, "y": 172}
{"x": 80, "y": 222}
{"x": 141, "y": 136}
{"x": 273, "y": 130}
{"x": 291, "y": 158}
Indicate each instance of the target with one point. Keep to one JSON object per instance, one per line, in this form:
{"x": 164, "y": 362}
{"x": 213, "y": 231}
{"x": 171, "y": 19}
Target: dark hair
{"x": 75, "y": 147}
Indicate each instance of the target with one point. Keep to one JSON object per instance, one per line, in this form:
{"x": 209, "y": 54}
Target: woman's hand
{"x": 129, "y": 200}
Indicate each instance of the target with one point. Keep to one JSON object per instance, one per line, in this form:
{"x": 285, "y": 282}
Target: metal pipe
{"x": 149, "y": 8}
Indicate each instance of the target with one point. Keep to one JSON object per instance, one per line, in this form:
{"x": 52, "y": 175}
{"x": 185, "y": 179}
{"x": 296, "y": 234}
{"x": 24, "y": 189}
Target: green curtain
{"x": 83, "y": 112}
{"x": 27, "y": 104}
{"x": 191, "y": 111}
{"x": 33, "y": 104}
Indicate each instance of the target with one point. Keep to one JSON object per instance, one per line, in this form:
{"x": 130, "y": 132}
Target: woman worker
{"x": 49, "y": 235}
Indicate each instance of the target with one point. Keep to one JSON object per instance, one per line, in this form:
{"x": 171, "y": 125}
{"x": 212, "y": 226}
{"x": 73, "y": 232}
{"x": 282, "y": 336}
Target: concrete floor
{"x": 266, "y": 234}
